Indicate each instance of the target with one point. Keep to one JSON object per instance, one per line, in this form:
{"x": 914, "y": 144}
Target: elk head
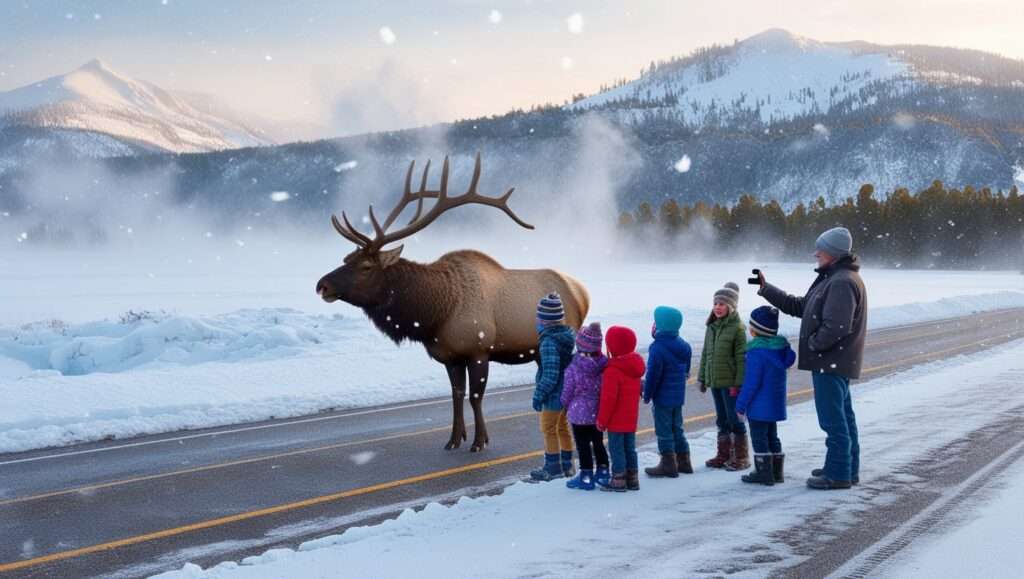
{"x": 362, "y": 278}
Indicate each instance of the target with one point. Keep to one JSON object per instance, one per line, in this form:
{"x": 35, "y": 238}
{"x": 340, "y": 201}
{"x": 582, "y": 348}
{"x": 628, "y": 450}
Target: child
{"x": 763, "y": 396}
{"x": 556, "y": 345}
{"x": 721, "y": 369}
{"x": 619, "y": 406}
{"x": 580, "y": 397}
{"x": 668, "y": 368}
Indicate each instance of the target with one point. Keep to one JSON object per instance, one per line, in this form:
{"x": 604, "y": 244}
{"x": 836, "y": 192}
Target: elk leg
{"x": 457, "y": 376}
{"x": 478, "y": 370}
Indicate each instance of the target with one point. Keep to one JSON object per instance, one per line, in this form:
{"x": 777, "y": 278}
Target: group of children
{"x": 598, "y": 389}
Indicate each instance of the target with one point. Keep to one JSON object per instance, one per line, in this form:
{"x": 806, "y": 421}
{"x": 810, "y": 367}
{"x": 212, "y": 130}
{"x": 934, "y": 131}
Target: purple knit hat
{"x": 589, "y": 339}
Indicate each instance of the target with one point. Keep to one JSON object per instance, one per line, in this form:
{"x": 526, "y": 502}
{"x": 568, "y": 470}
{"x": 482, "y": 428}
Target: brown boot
{"x": 632, "y": 480}
{"x": 740, "y": 454}
{"x": 683, "y": 463}
{"x": 616, "y": 484}
{"x": 724, "y": 452}
{"x": 667, "y": 467}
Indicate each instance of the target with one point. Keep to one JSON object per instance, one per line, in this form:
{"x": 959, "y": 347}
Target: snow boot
{"x": 616, "y": 484}
{"x": 778, "y": 461}
{"x": 762, "y": 471}
{"x": 823, "y": 483}
{"x": 820, "y": 472}
{"x": 740, "y": 454}
{"x": 633, "y": 479}
{"x": 724, "y": 452}
{"x": 550, "y": 471}
{"x": 666, "y": 468}
{"x": 602, "y": 476}
{"x": 683, "y": 463}
{"x": 568, "y": 469}
{"x": 584, "y": 481}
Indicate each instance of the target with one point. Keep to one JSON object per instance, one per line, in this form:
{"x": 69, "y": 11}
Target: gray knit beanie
{"x": 729, "y": 295}
{"x": 837, "y": 242}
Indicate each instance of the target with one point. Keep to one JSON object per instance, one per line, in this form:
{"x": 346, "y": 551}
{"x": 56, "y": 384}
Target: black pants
{"x": 764, "y": 437}
{"x": 587, "y": 436}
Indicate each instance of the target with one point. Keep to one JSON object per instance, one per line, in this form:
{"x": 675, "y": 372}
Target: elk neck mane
{"x": 421, "y": 297}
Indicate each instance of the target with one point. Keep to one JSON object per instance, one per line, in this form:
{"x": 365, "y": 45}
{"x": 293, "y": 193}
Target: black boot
{"x": 762, "y": 471}
{"x": 778, "y": 460}
{"x": 823, "y": 483}
{"x": 820, "y": 472}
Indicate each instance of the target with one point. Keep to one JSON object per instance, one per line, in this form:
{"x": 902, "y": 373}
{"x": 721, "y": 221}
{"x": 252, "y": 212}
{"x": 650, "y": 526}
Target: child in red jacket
{"x": 620, "y": 404}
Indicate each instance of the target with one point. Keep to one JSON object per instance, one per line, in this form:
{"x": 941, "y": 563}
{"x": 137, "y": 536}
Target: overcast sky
{"x": 352, "y": 66}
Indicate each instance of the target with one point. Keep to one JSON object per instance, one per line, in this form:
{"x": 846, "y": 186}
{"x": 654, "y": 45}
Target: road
{"x": 136, "y": 507}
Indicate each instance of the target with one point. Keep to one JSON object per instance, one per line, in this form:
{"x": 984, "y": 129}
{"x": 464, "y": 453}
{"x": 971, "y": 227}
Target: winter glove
{"x": 647, "y": 399}
{"x": 703, "y": 388}
{"x": 734, "y": 391}
{"x": 538, "y": 403}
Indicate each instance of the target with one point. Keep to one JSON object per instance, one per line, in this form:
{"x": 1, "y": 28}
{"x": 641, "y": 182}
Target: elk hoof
{"x": 478, "y": 446}
{"x": 453, "y": 444}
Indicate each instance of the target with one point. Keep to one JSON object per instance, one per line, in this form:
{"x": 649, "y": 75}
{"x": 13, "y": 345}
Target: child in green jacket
{"x": 722, "y": 364}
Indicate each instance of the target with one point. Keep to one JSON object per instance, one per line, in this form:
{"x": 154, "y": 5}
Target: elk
{"x": 465, "y": 308}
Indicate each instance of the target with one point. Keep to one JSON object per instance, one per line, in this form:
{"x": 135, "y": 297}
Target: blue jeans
{"x": 835, "y": 416}
{"x": 764, "y": 437}
{"x": 725, "y": 413}
{"x": 668, "y": 427}
{"x": 622, "y": 448}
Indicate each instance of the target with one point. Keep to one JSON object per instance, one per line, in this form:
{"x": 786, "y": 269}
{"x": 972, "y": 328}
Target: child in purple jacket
{"x": 580, "y": 398}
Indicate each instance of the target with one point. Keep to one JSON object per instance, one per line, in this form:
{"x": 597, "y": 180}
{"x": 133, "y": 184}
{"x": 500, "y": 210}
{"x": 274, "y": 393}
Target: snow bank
{"x": 665, "y": 529}
{"x": 203, "y": 361}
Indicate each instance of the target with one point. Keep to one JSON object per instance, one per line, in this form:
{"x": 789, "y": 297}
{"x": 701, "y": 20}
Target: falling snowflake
{"x": 566, "y": 63}
{"x": 821, "y": 129}
{"x": 683, "y": 164}
{"x": 387, "y": 35}
{"x": 575, "y": 23}
{"x": 280, "y": 196}
{"x": 481, "y": 334}
{"x": 361, "y": 458}
{"x": 415, "y": 324}
{"x": 495, "y": 17}
{"x": 239, "y": 243}
{"x": 346, "y": 166}
{"x": 268, "y": 58}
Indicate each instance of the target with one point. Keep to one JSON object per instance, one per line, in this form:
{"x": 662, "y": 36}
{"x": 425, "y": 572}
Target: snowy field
{"x": 95, "y": 346}
{"x": 662, "y": 531}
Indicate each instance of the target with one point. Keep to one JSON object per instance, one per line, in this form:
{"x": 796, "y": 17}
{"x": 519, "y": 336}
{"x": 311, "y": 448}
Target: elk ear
{"x": 390, "y": 257}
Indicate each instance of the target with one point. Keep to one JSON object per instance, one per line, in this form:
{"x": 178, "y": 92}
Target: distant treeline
{"x": 936, "y": 228}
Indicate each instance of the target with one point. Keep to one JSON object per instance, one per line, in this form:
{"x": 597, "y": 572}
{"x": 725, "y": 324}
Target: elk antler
{"x": 419, "y": 220}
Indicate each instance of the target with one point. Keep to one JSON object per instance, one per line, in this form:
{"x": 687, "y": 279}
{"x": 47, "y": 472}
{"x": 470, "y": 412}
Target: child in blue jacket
{"x": 763, "y": 395}
{"x": 668, "y": 368}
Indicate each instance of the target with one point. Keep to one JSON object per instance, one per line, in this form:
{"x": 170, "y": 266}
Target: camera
{"x": 756, "y": 280}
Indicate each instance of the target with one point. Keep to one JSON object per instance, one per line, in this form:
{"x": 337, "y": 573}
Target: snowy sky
{"x": 340, "y": 67}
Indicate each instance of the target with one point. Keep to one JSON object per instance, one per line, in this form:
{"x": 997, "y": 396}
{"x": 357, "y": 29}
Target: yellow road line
{"x": 363, "y": 490}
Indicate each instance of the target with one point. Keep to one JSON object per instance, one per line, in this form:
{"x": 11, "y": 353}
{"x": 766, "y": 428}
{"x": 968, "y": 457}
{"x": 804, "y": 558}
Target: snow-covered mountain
{"x": 777, "y": 76}
{"x": 99, "y": 100}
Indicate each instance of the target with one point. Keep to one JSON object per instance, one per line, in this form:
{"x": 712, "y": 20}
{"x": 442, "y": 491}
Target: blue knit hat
{"x": 550, "y": 310}
{"x": 837, "y": 242}
{"x": 667, "y": 319}
{"x": 765, "y": 320}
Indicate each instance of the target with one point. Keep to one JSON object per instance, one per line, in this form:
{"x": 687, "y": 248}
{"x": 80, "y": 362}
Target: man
{"x": 832, "y": 332}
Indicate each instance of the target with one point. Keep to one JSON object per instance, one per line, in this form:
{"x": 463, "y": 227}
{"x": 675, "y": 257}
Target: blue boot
{"x": 551, "y": 470}
{"x": 568, "y": 469}
{"x": 584, "y": 481}
{"x": 602, "y": 476}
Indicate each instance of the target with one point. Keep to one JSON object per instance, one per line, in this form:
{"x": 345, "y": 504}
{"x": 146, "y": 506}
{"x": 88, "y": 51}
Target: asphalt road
{"x": 146, "y": 505}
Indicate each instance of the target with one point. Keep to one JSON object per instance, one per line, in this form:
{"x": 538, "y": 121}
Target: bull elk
{"x": 465, "y": 308}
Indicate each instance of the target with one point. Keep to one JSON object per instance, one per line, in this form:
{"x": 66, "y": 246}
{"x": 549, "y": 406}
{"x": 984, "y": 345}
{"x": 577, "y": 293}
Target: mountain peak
{"x": 778, "y": 39}
{"x": 95, "y": 65}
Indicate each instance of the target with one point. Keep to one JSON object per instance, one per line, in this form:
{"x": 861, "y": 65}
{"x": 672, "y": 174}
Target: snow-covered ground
{"x": 93, "y": 346}
{"x": 705, "y": 524}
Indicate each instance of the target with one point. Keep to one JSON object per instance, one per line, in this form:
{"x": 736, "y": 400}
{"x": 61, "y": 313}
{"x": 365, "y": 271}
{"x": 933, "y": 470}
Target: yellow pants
{"x": 554, "y": 425}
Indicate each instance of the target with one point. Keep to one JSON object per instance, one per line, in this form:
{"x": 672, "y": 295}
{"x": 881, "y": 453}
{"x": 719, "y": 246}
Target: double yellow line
{"x": 134, "y": 540}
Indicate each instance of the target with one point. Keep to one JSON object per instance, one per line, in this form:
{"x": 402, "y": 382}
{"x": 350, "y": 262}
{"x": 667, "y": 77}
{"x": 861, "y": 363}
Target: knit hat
{"x": 729, "y": 295}
{"x": 765, "y": 320}
{"x": 550, "y": 310}
{"x": 837, "y": 242}
{"x": 621, "y": 341}
{"x": 589, "y": 339}
{"x": 667, "y": 319}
